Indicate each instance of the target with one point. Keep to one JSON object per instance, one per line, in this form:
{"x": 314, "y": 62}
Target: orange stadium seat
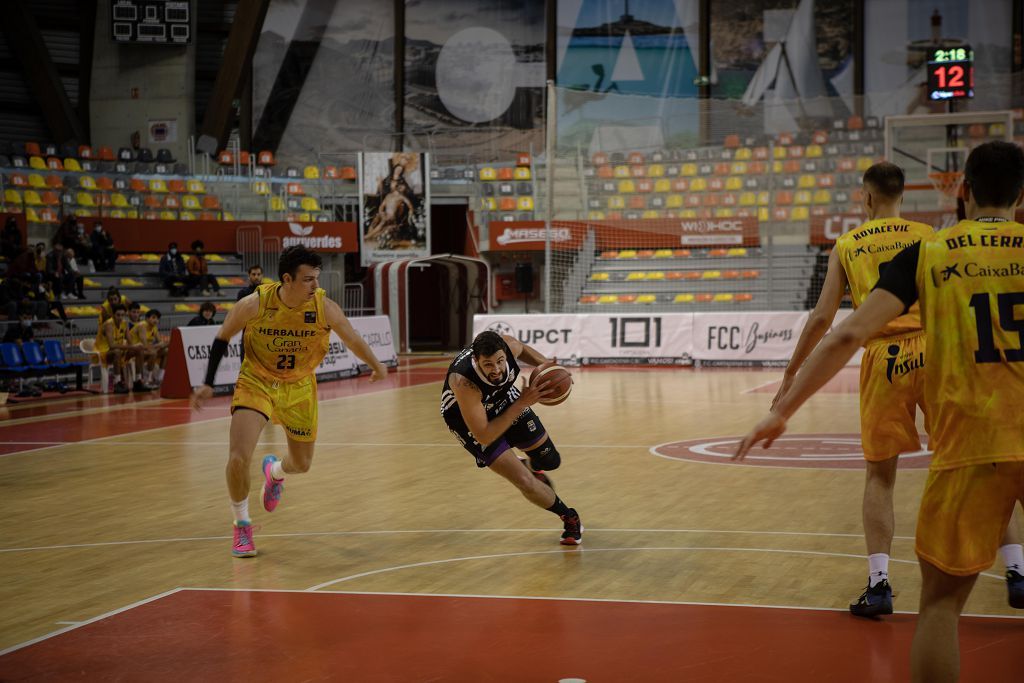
{"x": 636, "y": 158}
{"x": 106, "y": 153}
{"x": 638, "y": 171}
{"x": 645, "y": 185}
{"x": 177, "y": 186}
{"x": 50, "y": 198}
{"x": 636, "y": 202}
{"x": 507, "y": 204}
{"x": 211, "y": 202}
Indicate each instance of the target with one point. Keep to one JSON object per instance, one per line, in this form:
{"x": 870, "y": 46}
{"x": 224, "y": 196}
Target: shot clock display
{"x": 950, "y": 73}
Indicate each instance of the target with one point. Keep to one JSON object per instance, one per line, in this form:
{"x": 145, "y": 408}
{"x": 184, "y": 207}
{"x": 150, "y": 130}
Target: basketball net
{"x": 947, "y": 184}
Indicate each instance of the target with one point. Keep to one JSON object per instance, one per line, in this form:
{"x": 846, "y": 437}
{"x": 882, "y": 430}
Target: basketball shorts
{"x": 964, "y": 512}
{"x": 524, "y": 432}
{"x": 891, "y": 388}
{"x": 293, "y": 405}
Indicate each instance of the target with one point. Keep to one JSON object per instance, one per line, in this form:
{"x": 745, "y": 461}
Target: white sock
{"x": 1013, "y": 557}
{"x": 160, "y": 375}
{"x": 241, "y": 510}
{"x": 878, "y": 568}
{"x": 276, "y": 471}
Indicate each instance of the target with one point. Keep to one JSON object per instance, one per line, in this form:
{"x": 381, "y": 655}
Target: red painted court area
{"x": 117, "y": 416}
{"x": 288, "y": 636}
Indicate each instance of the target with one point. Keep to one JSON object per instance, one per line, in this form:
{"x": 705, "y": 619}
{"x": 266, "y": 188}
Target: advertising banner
{"x": 651, "y": 233}
{"x": 394, "y": 197}
{"x": 190, "y": 352}
{"x": 656, "y": 339}
{"x": 556, "y": 336}
{"x": 746, "y": 338}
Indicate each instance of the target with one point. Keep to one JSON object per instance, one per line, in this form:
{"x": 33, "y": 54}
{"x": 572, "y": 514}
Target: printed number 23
{"x": 286, "y": 362}
{"x": 987, "y": 351}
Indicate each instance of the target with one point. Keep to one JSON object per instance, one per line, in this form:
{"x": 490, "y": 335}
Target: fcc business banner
{"x": 742, "y": 338}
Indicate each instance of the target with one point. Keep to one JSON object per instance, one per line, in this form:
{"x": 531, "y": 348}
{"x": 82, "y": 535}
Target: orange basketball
{"x": 559, "y": 382}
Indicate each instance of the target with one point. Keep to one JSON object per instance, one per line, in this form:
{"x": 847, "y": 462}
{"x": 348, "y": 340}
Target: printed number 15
{"x": 987, "y": 351}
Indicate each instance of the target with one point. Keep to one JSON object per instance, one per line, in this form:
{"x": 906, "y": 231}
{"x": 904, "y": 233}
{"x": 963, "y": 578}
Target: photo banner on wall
{"x": 394, "y": 196}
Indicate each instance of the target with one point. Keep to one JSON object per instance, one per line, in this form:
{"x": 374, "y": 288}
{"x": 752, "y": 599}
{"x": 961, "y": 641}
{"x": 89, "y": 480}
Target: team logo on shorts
{"x": 310, "y": 316}
{"x": 896, "y": 365}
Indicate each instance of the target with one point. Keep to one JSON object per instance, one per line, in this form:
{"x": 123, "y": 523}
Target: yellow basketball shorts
{"x": 891, "y": 388}
{"x": 964, "y": 512}
{"x": 293, "y": 405}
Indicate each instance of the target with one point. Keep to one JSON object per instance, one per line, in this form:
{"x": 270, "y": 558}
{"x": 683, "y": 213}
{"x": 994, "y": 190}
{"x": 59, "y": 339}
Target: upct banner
{"x": 599, "y": 339}
{"x": 190, "y": 351}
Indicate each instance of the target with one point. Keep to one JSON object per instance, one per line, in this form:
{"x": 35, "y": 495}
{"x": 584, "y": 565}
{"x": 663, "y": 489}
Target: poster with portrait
{"x": 394, "y": 200}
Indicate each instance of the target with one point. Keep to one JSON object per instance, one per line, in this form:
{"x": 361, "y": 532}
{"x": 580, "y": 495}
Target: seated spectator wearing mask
{"x": 104, "y": 255}
{"x": 173, "y": 271}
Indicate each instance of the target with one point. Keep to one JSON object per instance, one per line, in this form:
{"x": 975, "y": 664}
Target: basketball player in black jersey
{"x": 486, "y": 412}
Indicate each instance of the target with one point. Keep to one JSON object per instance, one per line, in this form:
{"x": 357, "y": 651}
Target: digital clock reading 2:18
{"x": 951, "y": 73}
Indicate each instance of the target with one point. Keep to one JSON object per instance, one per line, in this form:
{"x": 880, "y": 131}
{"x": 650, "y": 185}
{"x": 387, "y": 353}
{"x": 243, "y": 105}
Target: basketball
{"x": 560, "y": 382}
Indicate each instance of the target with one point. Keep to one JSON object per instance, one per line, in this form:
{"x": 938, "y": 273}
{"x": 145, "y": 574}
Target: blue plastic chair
{"x": 33, "y": 354}
{"x": 55, "y": 355}
{"x": 13, "y": 362}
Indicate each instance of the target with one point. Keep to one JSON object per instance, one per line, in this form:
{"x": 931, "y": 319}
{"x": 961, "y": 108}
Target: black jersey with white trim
{"x": 495, "y": 397}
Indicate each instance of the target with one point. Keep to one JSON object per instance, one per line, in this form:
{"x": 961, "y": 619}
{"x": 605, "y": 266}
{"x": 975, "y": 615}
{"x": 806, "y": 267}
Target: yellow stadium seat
{"x": 85, "y": 199}
{"x": 71, "y": 164}
{"x": 779, "y": 153}
{"x": 37, "y": 163}
{"x": 488, "y": 173}
{"x": 599, "y": 277}
{"x": 748, "y": 199}
{"x": 228, "y": 216}
{"x": 87, "y": 182}
{"x": 800, "y": 213}
{"x": 132, "y": 213}
{"x": 864, "y": 163}
{"x": 646, "y": 299}
{"x": 688, "y": 170}
{"x": 32, "y": 216}
{"x": 733, "y": 183}
{"x": 168, "y": 216}
{"x": 626, "y": 186}
{"x": 738, "y": 168}
{"x": 276, "y": 203}
{"x": 12, "y": 196}
{"x": 522, "y": 173}
{"x": 822, "y": 197}
{"x": 627, "y": 253}
{"x": 763, "y": 214}
{"x": 683, "y": 298}
{"x": 636, "y": 275}
{"x": 595, "y": 215}
{"x": 261, "y": 187}
{"x": 736, "y": 251}
{"x": 186, "y": 216}
{"x": 655, "y": 171}
{"x": 711, "y": 275}
{"x": 806, "y": 181}
{"x": 117, "y": 213}
{"x": 674, "y": 201}
{"x": 662, "y": 185}
{"x": 36, "y": 180}
{"x": 524, "y": 203}
{"x": 813, "y": 151}
{"x": 776, "y": 167}
{"x": 196, "y": 187}
{"x": 119, "y": 200}
{"x": 688, "y": 213}
{"x": 608, "y": 299}
{"x": 309, "y": 204}
{"x": 650, "y": 213}
{"x": 157, "y": 185}
{"x": 190, "y": 201}
{"x": 725, "y": 212}
{"x": 801, "y": 197}
{"x": 698, "y": 184}
{"x": 764, "y": 198}
{"x": 725, "y": 296}
{"x": 744, "y": 154}
{"x": 655, "y": 275}
{"x": 489, "y": 203}
{"x": 621, "y": 171}
{"x": 616, "y": 202}
{"x": 311, "y": 173}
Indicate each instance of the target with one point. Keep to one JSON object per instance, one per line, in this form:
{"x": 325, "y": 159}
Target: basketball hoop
{"x": 947, "y": 184}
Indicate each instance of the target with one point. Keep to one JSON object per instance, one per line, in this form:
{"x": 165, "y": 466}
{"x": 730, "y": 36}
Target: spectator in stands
{"x": 10, "y": 239}
{"x": 40, "y": 258}
{"x": 104, "y": 255}
{"x": 66, "y": 282}
{"x": 82, "y": 244}
{"x": 75, "y": 279}
{"x": 45, "y": 295}
{"x": 255, "y": 280}
{"x": 112, "y": 345}
{"x": 65, "y": 235}
{"x": 146, "y": 335}
{"x": 114, "y": 298}
{"x": 173, "y": 271}
{"x": 205, "y": 317}
{"x": 199, "y": 271}
{"x": 22, "y": 331}
{"x": 23, "y": 266}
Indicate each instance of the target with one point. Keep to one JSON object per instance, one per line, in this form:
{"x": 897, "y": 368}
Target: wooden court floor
{"x": 109, "y": 503}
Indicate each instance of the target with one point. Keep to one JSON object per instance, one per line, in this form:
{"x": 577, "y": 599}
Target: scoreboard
{"x": 950, "y": 73}
{"x": 157, "y": 22}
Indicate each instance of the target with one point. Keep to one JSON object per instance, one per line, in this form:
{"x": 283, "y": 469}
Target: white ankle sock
{"x": 241, "y": 510}
{"x": 1013, "y": 557}
{"x": 276, "y": 471}
{"x": 878, "y": 568}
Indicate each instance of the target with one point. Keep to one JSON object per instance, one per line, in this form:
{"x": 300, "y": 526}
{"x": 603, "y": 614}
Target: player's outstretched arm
{"x": 828, "y": 358}
{"x": 818, "y": 322}
{"x": 338, "y": 321}
{"x": 524, "y": 352}
{"x": 243, "y": 311}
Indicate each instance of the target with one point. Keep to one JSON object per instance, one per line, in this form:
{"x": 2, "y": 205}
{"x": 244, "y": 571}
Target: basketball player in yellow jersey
{"x": 145, "y": 335}
{"x": 287, "y": 331}
{"x": 969, "y": 280}
{"x": 113, "y": 347}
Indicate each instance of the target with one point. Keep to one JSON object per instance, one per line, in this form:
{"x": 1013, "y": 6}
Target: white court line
{"x": 188, "y": 424}
{"x": 579, "y": 549}
{"x": 310, "y": 534}
{"x": 485, "y": 596}
{"x": 725, "y": 461}
{"x": 445, "y": 444}
{"x": 761, "y": 386}
{"x": 80, "y": 624}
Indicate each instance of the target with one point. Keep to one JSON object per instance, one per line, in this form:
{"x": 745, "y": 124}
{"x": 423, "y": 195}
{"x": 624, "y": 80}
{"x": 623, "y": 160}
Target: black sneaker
{"x": 874, "y": 601}
{"x": 573, "y": 534}
{"x": 1015, "y": 589}
{"x": 120, "y": 388}
{"x": 139, "y": 388}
